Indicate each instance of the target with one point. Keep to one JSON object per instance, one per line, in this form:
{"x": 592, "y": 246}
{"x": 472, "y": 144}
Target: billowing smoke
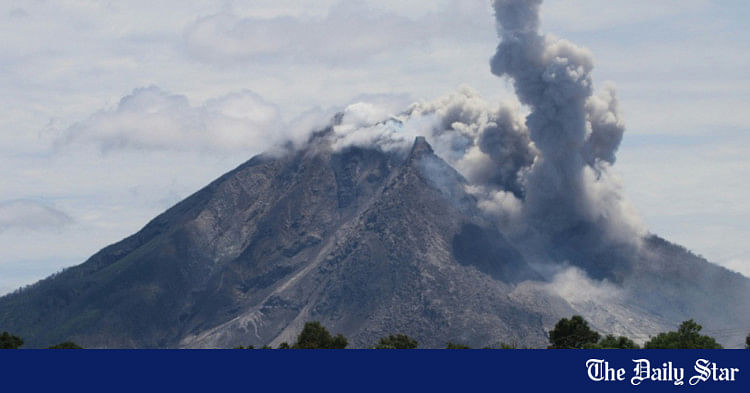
{"x": 489, "y": 144}
{"x": 605, "y": 305}
{"x": 544, "y": 170}
{"x": 576, "y": 131}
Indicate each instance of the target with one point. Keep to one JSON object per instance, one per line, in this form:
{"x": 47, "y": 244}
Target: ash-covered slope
{"x": 369, "y": 243}
{"x": 365, "y": 241}
{"x": 413, "y": 257}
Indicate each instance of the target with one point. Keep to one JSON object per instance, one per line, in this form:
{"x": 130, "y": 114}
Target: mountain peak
{"x": 420, "y": 147}
{"x": 361, "y": 241}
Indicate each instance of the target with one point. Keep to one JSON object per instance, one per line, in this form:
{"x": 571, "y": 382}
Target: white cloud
{"x": 150, "y": 118}
{"x": 588, "y": 15}
{"x": 350, "y": 33}
{"x": 29, "y": 215}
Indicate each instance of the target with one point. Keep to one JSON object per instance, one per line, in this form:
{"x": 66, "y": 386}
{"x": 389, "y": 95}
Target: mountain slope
{"x": 367, "y": 242}
{"x": 279, "y": 240}
{"x": 399, "y": 265}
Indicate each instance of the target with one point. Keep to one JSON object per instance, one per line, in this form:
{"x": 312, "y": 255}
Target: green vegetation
{"x": 9, "y": 341}
{"x": 573, "y": 333}
{"x": 747, "y": 342}
{"x": 398, "y": 341}
{"x": 686, "y": 337}
{"x": 451, "y": 345}
{"x": 283, "y": 345}
{"x": 66, "y": 345}
{"x": 315, "y": 336}
{"x": 612, "y": 342}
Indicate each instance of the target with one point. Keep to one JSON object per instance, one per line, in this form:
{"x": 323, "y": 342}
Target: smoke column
{"x": 576, "y": 132}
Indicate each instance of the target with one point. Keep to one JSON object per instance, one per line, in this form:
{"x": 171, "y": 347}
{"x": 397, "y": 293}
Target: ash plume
{"x": 546, "y": 173}
{"x": 576, "y": 131}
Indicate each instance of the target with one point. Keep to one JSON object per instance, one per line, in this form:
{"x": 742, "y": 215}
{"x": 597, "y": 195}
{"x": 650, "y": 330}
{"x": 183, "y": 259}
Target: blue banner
{"x": 378, "y": 370}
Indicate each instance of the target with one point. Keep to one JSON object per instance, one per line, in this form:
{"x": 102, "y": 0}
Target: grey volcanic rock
{"x": 392, "y": 266}
{"x": 367, "y": 242}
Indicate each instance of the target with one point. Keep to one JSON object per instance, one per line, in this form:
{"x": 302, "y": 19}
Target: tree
{"x": 283, "y": 345}
{"x": 9, "y": 341}
{"x": 573, "y": 333}
{"x": 452, "y": 345}
{"x": 315, "y": 336}
{"x": 747, "y": 342}
{"x": 66, "y": 345}
{"x": 687, "y": 336}
{"x": 612, "y": 342}
{"x": 398, "y": 341}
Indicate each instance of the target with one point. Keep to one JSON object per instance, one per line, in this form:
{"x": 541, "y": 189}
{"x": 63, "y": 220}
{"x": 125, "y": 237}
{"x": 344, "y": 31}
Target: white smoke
{"x": 573, "y": 285}
{"x": 488, "y": 144}
{"x": 605, "y": 305}
{"x": 547, "y": 171}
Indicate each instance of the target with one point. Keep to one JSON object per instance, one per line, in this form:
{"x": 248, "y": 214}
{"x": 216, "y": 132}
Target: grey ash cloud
{"x": 548, "y": 169}
{"x": 506, "y": 141}
{"x": 576, "y": 131}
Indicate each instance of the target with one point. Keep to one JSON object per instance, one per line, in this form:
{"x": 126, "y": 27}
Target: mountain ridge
{"x": 369, "y": 242}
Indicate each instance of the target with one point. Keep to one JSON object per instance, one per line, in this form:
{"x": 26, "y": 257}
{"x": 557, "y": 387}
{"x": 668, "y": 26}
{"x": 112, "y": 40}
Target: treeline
{"x": 315, "y": 336}
{"x": 9, "y": 341}
{"x": 573, "y": 333}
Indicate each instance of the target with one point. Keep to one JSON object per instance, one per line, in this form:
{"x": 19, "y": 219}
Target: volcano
{"x": 452, "y": 221}
{"x": 367, "y": 242}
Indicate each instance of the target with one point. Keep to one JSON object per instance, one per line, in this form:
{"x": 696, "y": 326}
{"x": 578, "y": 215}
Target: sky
{"x": 111, "y": 112}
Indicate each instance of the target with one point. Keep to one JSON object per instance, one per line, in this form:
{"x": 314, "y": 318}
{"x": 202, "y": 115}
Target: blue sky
{"x": 113, "y": 111}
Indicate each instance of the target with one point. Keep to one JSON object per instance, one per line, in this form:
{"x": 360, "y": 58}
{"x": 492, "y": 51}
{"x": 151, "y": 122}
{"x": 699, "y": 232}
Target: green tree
{"x": 573, "y": 333}
{"x": 315, "y": 336}
{"x": 612, "y": 342}
{"x": 452, "y": 345}
{"x": 747, "y": 342}
{"x": 66, "y": 345}
{"x": 398, "y": 341}
{"x": 687, "y": 336}
{"x": 283, "y": 345}
{"x": 9, "y": 341}
{"x": 501, "y": 345}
